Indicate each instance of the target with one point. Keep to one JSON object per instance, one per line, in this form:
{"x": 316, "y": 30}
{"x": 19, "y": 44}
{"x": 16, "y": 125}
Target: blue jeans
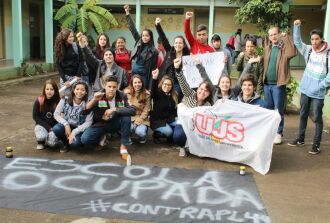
{"x": 140, "y": 130}
{"x": 166, "y": 130}
{"x": 59, "y": 131}
{"x": 178, "y": 90}
{"x": 274, "y": 98}
{"x": 317, "y": 106}
{"x": 179, "y": 137}
{"x": 93, "y": 134}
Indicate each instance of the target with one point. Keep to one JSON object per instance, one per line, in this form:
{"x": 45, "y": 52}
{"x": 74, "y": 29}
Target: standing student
{"x": 164, "y": 112}
{"x": 71, "y": 120}
{"x": 238, "y": 43}
{"x": 68, "y": 58}
{"x": 140, "y": 98}
{"x": 199, "y": 44}
{"x": 313, "y": 85}
{"x": 102, "y": 43}
{"x": 123, "y": 56}
{"x": 202, "y": 97}
{"x": 256, "y": 63}
{"x": 144, "y": 55}
{"x": 105, "y": 67}
{"x": 43, "y": 114}
{"x": 279, "y": 49}
{"x": 178, "y": 49}
{"x": 111, "y": 114}
{"x": 216, "y": 43}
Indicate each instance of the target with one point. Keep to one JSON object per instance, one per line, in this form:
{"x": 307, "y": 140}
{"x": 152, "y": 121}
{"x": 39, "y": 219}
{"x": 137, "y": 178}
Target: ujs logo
{"x": 219, "y": 128}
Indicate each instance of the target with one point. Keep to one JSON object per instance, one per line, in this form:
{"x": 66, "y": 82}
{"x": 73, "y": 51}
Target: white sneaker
{"x": 103, "y": 140}
{"x": 278, "y": 139}
{"x": 182, "y": 152}
{"x": 40, "y": 146}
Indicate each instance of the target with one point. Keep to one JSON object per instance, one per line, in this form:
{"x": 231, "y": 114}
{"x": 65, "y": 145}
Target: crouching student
{"x": 247, "y": 94}
{"x": 164, "y": 112}
{"x": 202, "y": 97}
{"x": 111, "y": 114}
{"x": 43, "y": 114}
{"x": 71, "y": 120}
{"x": 139, "y": 97}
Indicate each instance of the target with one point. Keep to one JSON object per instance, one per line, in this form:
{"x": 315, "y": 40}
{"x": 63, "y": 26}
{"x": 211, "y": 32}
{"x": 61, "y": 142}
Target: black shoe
{"x": 315, "y": 150}
{"x": 64, "y": 149}
{"x": 156, "y": 137}
{"x": 296, "y": 142}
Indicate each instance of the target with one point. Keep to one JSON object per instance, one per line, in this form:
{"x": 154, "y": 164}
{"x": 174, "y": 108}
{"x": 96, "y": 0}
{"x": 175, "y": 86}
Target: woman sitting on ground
{"x": 43, "y": 114}
{"x": 71, "y": 122}
{"x": 139, "y": 97}
{"x": 164, "y": 112}
{"x": 202, "y": 97}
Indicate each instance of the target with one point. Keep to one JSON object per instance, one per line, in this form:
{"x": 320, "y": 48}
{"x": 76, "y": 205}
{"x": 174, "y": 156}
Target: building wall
{"x": 8, "y": 29}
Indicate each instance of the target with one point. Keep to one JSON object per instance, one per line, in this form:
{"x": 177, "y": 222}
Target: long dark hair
{"x": 98, "y": 49}
{"x": 60, "y": 41}
{"x": 151, "y": 41}
{"x": 172, "y": 92}
{"x": 209, "y": 88}
{"x": 143, "y": 93}
{"x": 56, "y": 96}
{"x": 72, "y": 95}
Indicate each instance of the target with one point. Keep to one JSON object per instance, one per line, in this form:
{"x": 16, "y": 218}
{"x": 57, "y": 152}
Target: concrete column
{"x": 49, "y": 46}
{"x": 327, "y": 23}
{"x": 17, "y": 32}
{"x": 138, "y": 15}
{"x": 211, "y": 19}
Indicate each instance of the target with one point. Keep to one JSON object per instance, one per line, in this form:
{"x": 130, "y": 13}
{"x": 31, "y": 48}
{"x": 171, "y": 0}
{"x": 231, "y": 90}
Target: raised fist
{"x": 189, "y": 15}
{"x": 155, "y": 74}
{"x": 177, "y": 62}
{"x": 126, "y": 7}
{"x": 297, "y": 22}
{"x": 158, "y": 20}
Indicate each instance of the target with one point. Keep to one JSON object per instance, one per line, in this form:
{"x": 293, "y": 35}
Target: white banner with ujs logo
{"x": 231, "y": 131}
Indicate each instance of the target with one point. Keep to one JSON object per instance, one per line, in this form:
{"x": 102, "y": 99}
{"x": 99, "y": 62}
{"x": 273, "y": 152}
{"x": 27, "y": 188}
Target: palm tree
{"x": 78, "y": 19}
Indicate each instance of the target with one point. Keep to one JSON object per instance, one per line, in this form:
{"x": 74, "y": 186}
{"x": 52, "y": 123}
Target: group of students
{"x": 129, "y": 91}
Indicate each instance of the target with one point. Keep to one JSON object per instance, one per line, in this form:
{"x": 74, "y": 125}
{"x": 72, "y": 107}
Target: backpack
{"x": 326, "y": 59}
{"x": 41, "y": 101}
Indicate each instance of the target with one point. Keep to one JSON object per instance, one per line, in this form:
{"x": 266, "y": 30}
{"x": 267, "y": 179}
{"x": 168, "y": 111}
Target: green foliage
{"x": 262, "y": 13}
{"x": 78, "y": 18}
{"x": 260, "y": 51}
{"x": 291, "y": 89}
{"x": 28, "y": 69}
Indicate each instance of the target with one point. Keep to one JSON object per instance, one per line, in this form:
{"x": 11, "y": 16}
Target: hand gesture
{"x": 195, "y": 58}
{"x": 97, "y": 96}
{"x": 158, "y": 20}
{"x": 155, "y": 74}
{"x": 283, "y": 34}
{"x": 297, "y": 22}
{"x": 328, "y": 92}
{"x": 138, "y": 121}
{"x": 67, "y": 130}
{"x": 254, "y": 60}
{"x": 71, "y": 138}
{"x": 67, "y": 84}
{"x": 189, "y": 15}
{"x": 126, "y": 7}
{"x": 177, "y": 62}
{"x": 241, "y": 54}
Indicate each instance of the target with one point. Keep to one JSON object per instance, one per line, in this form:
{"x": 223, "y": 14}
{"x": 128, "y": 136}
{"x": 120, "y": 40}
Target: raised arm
{"x": 131, "y": 24}
{"x": 203, "y": 72}
{"x": 187, "y": 31}
{"x": 301, "y": 46}
{"x": 162, "y": 35}
{"x": 290, "y": 48}
{"x": 186, "y": 90}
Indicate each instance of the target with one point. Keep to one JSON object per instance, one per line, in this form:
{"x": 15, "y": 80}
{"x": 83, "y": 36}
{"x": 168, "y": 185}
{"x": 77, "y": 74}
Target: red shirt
{"x": 123, "y": 60}
{"x": 195, "y": 46}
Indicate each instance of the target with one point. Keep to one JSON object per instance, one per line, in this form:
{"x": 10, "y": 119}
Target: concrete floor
{"x": 295, "y": 190}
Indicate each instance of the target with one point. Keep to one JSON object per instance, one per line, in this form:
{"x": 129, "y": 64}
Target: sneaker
{"x": 129, "y": 160}
{"x": 278, "y": 139}
{"x": 182, "y": 152}
{"x": 296, "y": 142}
{"x": 64, "y": 149}
{"x": 40, "y": 146}
{"x": 103, "y": 140}
{"x": 315, "y": 150}
{"x": 143, "y": 141}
